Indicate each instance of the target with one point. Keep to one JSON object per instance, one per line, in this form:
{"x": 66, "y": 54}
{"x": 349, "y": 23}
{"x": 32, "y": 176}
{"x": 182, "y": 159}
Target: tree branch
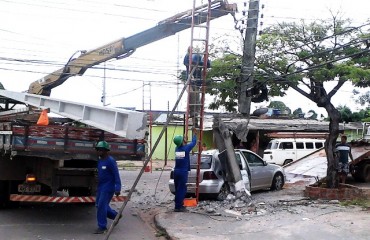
{"x": 301, "y": 91}
{"x": 336, "y": 88}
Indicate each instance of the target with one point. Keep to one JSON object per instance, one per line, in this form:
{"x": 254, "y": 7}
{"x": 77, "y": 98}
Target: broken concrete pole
{"x": 228, "y": 159}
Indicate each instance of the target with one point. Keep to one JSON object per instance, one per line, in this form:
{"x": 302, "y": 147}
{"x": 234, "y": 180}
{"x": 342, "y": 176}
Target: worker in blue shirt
{"x": 344, "y": 150}
{"x": 109, "y": 183}
{"x": 182, "y": 168}
{"x": 197, "y": 61}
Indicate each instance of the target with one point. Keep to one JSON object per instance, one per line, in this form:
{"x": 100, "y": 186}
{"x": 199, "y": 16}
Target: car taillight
{"x": 209, "y": 175}
{"x": 30, "y": 178}
{"x": 171, "y": 175}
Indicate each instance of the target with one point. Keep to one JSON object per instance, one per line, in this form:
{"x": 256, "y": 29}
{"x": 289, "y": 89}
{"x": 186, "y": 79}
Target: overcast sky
{"x": 50, "y": 31}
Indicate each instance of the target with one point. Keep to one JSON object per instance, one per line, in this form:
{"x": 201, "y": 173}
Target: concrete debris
{"x": 232, "y": 212}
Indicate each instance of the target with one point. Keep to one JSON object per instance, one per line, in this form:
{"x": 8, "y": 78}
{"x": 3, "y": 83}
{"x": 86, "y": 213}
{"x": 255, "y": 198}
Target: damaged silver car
{"x": 256, "y": 175}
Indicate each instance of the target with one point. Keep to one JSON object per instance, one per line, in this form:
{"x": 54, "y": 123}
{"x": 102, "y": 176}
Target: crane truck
{"x": 57, "y": 162}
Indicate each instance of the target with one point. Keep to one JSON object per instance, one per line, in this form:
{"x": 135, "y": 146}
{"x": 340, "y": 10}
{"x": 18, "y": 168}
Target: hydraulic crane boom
{"x": 126, "y": 46}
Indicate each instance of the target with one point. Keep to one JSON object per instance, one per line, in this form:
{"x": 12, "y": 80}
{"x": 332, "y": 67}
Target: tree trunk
{"x": 335, "y": 118}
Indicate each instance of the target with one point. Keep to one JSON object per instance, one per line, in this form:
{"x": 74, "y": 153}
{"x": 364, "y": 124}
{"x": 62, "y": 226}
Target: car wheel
{"x": 277, "y": 182}
{"x": 224, "y": 191}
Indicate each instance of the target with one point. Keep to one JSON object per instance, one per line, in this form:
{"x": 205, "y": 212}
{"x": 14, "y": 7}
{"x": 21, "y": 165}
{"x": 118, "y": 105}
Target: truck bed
{"x": 64, "y": 142}
{"x": 314, "y": 166}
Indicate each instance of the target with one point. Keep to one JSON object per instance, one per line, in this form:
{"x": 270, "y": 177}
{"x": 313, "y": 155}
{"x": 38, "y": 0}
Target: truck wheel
{"x": 366, "y": 173}
{"x": 79, "y": 191}
{"x": 357, "y": 173}
{"x": 4, "y": 193}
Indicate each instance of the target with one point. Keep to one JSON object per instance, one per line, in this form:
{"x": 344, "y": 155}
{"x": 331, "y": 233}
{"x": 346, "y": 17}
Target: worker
{"x": 196, "y": 61}
{"x": 344, "y": 150}
{"x": 109, "y": 183}
{"x": 182, "y": 168}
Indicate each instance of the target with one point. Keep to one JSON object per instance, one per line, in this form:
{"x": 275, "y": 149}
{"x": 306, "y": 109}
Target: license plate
{"x": 24, "y": 188}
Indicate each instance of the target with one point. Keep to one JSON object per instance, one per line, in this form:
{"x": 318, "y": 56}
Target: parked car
{"x": 212, "y": 182}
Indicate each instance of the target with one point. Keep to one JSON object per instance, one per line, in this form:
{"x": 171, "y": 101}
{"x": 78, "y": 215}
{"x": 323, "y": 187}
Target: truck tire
{"x": 361, "y": 172}
{"x": 4, "y": 194}
{"x": 366, "y": 173}
{"x": 357, "y": 177}
{"x": 79, "y": 191}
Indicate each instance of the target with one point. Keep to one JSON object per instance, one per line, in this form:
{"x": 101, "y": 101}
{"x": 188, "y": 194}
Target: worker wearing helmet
{"x": 109, "y": 183}
{"x": 182, "y": 168}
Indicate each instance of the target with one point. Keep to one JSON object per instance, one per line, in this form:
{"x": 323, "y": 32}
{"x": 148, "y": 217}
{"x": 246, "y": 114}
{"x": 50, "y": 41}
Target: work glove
{"x": 117, "y": 193}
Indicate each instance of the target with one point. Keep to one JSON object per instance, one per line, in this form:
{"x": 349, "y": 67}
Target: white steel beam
{"x": 124, "y": 123}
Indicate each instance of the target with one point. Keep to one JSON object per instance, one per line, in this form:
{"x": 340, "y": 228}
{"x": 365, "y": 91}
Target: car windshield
{"x": 205, "y": 161}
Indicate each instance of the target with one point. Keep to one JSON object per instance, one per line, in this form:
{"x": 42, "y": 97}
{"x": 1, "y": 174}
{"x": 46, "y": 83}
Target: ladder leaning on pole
{"x": 198, "y": 64}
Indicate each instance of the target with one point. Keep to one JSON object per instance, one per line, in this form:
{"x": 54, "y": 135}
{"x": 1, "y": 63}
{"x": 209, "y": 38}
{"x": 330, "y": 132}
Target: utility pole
{"x": 246, "y": 80}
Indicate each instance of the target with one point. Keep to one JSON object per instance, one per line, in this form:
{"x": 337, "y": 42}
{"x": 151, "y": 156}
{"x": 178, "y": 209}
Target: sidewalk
{"x": 275, "y": 215}
{"x": 154, "y": 165}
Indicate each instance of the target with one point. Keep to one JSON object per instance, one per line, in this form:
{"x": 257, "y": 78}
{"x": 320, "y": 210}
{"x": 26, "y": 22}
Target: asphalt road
{"x": 78, "y": 221}
{"x": 152, "y": 199}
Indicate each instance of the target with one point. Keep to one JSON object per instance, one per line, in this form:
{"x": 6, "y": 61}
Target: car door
{"x": 261, "y": 176}
{"x": 244, "y": 170}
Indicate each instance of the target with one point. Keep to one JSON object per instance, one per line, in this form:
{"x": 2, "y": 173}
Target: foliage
{"x": 298, "y": 55}
{"x": 297, "y": 112}
{"x": 314, "y": 114}
{"x": 225, "y": 73}
{"x": 302, "y": 56}
{"x": 277, "y": 105}
{"x": 348, "y": 116}
{"x": 363, "y": 99}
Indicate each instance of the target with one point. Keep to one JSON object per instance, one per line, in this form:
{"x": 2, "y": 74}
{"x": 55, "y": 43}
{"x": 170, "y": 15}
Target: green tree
{"x": 303, "y": 56}
{"x": 345, "y": 113}
{"x": 277, "y": 105}
{"x": 297, "y": 112}
{"x": 224, "y": 74}
{"x": 363, "y": 99}
{"x": 314, "y": 114}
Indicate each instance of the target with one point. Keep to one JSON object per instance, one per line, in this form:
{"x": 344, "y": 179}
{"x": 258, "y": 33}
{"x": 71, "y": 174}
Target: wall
{"x": 172, "y": 131}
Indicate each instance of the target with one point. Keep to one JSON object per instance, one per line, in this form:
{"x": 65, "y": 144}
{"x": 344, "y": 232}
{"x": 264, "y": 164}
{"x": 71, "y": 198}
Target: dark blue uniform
{"x": 196, "y": 60}
{"x": 109, "y": 183}
{"x": 182, "y": 166}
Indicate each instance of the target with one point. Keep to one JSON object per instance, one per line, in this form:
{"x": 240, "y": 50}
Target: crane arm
{"x": 126, "y": 46}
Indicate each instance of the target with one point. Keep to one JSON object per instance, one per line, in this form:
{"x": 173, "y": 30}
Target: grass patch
{"x": 364, "y": 203}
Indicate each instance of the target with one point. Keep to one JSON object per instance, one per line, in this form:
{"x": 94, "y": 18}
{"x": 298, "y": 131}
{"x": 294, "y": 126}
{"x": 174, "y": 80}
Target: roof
{"x": 236, "y": 122}
{"x": 276, "y": 124}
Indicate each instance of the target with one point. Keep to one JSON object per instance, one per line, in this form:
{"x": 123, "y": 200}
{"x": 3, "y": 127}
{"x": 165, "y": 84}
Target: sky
{"x": 38, "y": 37}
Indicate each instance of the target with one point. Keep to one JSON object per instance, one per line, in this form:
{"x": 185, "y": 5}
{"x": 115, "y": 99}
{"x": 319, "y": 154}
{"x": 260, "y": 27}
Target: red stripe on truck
{"x": 38, "y": 198}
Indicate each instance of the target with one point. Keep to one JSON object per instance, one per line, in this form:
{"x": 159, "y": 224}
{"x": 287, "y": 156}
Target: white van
{"x": 282, "y": 151}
